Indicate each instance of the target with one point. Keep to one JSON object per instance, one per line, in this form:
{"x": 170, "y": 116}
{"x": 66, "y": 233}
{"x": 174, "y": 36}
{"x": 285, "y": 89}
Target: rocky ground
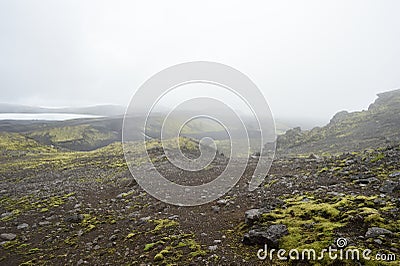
{"x": 78, "y": 208}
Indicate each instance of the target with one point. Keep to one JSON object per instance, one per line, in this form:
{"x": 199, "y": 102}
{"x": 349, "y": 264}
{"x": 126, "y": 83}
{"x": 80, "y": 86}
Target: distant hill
{"x": 376, "y": 127}
{"x": 101, "y": 110}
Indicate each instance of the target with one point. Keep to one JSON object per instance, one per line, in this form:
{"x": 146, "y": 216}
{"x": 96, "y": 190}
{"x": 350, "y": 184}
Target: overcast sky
{"x": 309, "y": 58}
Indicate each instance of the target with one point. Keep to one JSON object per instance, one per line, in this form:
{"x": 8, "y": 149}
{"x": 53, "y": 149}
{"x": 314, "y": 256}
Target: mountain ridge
{"x": 377, "y": 126}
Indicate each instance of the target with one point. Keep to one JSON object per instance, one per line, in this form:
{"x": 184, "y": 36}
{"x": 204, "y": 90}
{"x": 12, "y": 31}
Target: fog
{"x": 309, "y": 58}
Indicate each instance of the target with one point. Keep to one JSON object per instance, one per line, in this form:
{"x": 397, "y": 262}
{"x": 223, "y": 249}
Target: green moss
{"x": 71, "y": 241}
{"x": 10, "y": 244}
{"x": 33, "y": 250}
{"x": 89, "y": 222}
{"x": 130, "y": 235}
{"x": 323, "y": 170}
{"x": 149, "y": 246}
{"x": 164, "y": 223}
{"x": 271, "y": 183}
{"x": 318, "y": 219}
{"x": 377, "y": 157}
{"x": 159, "y": 257}
{"x": 31, "y": 262}
{"x": 198, "y": 253}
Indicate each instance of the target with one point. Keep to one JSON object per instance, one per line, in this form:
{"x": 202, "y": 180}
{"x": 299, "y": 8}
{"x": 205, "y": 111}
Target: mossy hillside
{"x": 14, "y": 142}
{"x": 369, "y": 163}
{"x": 19, "y": 205}
{"x": 375, "y": 127}
{"x": 110, "y": 156}
{"x": 76, "y": 137}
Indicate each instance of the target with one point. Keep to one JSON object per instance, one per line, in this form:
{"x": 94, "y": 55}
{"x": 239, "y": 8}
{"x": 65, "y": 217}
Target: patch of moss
{"x": 319, "y": 219}
{"x": 149, "y": 246}
{"x": 89, "y": 222}
{"x": 164, "y": 223}
{"x": 377, "y": 157}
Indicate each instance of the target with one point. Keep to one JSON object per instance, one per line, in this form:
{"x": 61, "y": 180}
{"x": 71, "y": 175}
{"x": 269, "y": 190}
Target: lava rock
{"x": 389, "y": 186}
{"x": 252, "y": 215}
{"x": 113, "y": 238}
{"x": 75, "y": 218}
{"x": 213, "y": 248}
{"x": 270, "y": 235}
{"x": 22, "y": 226}
{"x": 8, "y": 236}
{"x": 377, "y": 231}
{"x": 222, "y": 202}
{"x": 6, "y": 214}
{"x": 395, "y": 174}
{"x": 216, "y": 209}
{"x": 271, "y": 203}
{"x": 314, "y": 156}
{"x": 366, "y": 181}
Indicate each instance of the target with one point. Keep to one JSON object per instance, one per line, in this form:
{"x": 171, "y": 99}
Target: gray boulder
{"x": 377, "y": 231}
{"x": 266, "y": 235}
{"x": 389, "y": 186}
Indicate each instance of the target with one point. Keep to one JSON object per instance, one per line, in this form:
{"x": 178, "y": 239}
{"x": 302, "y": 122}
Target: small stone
{"x": 75, "y": 218}
{"x": 44, "y": 223}
{"x": 213, "y": 248}
{"x": 380, "y": 202}
{"x": 366, "y": 181}
{"x": 314, "y": 157}
{"x": 217, "y": 241}
{"x": 6, "y": 214}
{"x": 378, "y": 241}
{"x": 113, "y": 238}
{"x": 395, "y": 174}
{"x": 253, "y": 215}
{"x": 222, "y": 202}
{"x": 216, "y": 209}
{"x": 8, "y": 236}
{"x": 22, "y": 226}
{"x": 145, "y": 219}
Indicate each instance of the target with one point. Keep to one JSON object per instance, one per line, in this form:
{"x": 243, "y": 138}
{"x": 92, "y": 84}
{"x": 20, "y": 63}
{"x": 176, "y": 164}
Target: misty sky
{"x": 309, "y": 58}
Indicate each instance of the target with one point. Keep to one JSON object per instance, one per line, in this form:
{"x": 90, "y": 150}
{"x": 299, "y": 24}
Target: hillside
{"x": 84, "y": 208}
{"x": 376, "y": 127}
